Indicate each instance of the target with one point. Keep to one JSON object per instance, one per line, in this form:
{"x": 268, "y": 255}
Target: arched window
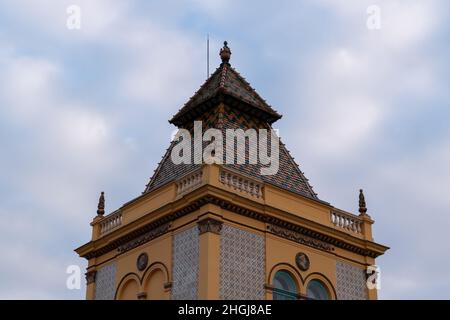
{"x": 317, "y": 290}
{"x": 284, "y": 286}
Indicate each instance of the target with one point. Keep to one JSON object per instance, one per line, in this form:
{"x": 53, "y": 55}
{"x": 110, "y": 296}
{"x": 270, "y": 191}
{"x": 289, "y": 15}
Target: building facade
{"x": 222, "y": 230}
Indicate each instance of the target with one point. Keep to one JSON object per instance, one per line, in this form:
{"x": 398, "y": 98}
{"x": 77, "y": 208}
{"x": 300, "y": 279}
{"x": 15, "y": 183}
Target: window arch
{"x": 154, "y": 285}
{"x": 154, "y": 280}
{"x": 317, "y": 290}
{"x": 284, "y": 286}
{"x": 128, "y": 287}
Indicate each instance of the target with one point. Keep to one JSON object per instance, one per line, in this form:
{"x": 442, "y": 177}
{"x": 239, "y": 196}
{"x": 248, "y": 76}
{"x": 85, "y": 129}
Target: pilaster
{"x": 209, "y": 258}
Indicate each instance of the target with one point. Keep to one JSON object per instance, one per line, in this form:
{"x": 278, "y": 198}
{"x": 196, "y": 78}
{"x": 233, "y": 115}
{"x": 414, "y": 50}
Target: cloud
{"x": 30, "y": 253}
{"x": 68, "y": 147}
{"x": 99, "y": 18}
{"x": 358, "y": 94}
{"x": 161, "y": 61}
{"x": 26, "y": 81}
{"x": 79, "y": 111}
{"x": 50, "y": 166}
{"x": 413, "y": 217}
{"x": 352, "y": 88}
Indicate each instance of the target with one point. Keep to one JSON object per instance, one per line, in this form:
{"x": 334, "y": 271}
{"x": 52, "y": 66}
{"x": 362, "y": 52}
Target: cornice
{"x": 276, "y": 226}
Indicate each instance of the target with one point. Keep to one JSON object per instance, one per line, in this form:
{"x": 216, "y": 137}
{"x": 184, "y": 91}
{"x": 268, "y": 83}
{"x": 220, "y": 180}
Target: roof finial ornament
{"x": 225, "y": 53}
{"x": 362, "y": 203}
{"x": 101, "y": 204}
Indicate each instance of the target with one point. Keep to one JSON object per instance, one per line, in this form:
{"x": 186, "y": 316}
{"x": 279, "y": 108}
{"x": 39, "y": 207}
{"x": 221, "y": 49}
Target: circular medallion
{"x": 142, "y": 261}
{"x": 302, "y": 261}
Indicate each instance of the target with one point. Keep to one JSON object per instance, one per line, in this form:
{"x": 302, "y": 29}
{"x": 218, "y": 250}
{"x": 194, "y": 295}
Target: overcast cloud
{"x": 86, "y": 110}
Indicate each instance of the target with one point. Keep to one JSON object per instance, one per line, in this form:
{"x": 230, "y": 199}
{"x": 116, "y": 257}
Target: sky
{"x": 85, "y": 110}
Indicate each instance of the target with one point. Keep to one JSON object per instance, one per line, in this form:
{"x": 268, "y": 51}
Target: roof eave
{"x": 182, "y": 118}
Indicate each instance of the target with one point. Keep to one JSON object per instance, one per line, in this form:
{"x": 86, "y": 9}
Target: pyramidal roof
{"x": 225, "y": 85}
{"x": 227, "y": 101}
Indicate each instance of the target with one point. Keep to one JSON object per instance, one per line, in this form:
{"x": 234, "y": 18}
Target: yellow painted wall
{"x": 158, "y": 272}
{"x": 291, "y": 203}
{"x": 144, "y": 205}
{"x": 154, "y": 282}
{"x": 280, "y": 255}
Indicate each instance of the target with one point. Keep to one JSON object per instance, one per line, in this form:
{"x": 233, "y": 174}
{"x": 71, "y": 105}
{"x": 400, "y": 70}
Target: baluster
{"x": 346, "y": 221}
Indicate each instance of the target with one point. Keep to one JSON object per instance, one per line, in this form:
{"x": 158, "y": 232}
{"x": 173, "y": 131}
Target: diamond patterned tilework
{"x": 288, "y": 177}
{"x": 185, "y": 265}
{"x": 225, "y": 80}
{"x": 350, "y": 282}
{"x": 242, "y": 264}
{"x": 105, "y": 282}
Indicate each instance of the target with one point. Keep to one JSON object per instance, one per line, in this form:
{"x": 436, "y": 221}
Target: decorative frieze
{"x": 150, "y": 235}
{"x": 325, "y": 242}
{"x": 209, "y": 225}
{"x": 299, "y": 238}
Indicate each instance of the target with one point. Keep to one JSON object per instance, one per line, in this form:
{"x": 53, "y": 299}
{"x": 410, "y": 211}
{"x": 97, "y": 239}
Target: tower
{"x": 213, "y": 223}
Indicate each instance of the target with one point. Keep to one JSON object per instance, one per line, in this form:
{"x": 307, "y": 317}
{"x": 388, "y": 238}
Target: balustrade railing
{"x": 242, "y": 184}
{"x": 346, "y": 221}
{"x": 111, "y": 222}
{"x": 190, "y": 182}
